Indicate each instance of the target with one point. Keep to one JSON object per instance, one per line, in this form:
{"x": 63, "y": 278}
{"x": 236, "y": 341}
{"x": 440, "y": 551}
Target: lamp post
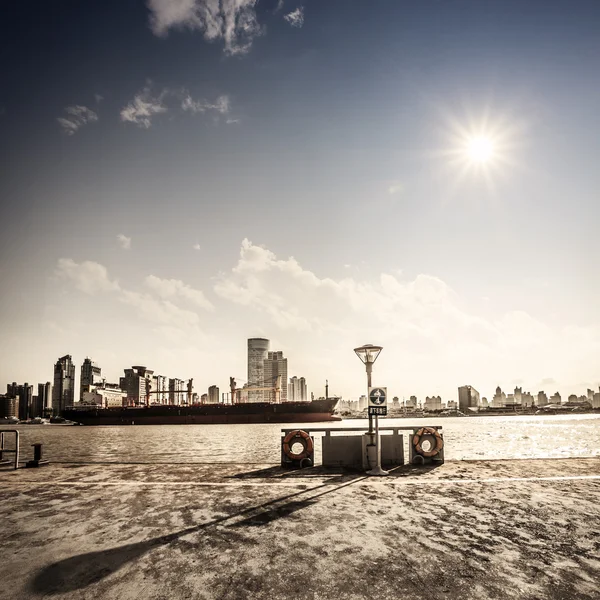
{"x": 368, "y": 355}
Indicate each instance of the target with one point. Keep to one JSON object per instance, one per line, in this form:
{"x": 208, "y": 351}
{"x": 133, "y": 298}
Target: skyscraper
{"x": 45, "y": 399}
{"x": 297, "y": 390}
{"x": 63, "y": 392}
{"x": 177, "y": 391}
{"x": 91, "y": 376}
{"x": 24, "y": 392}
{"x": 468, "y": 397}
{"x": 136, "y": 384}
{"x": 258, "y": 349}
{"x": 274, "y": 366}
{"x": 213, "y": 394}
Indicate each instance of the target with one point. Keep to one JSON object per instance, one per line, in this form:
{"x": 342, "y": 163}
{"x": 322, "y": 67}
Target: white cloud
{"x": 160, "y": 312}
{"x": 124, "y": 241}
{"x": 296, "y": 17}
{"x": 98, "y": 98}
{"x": 221, "y": 105}
{"x": 233, "y": 21}
{"x": 88, "y": 277}
{"x": 232, "y": 121}
{"x": 77, "y": 117}
{"x": 422, "y": 322}
{"x": 143, "y": 108}
{"x": 197, "y": 247}
{"x": 171, "y": 288}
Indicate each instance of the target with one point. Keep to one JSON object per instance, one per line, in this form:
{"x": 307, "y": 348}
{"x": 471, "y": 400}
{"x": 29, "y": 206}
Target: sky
{"x": 180, "y": 175}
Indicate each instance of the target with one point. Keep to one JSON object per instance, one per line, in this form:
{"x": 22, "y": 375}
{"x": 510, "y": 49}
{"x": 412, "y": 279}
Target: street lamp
{"x": 368, "y": 354}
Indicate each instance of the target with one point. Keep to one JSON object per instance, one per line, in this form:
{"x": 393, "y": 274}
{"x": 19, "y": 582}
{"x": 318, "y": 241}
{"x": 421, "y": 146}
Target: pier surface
{"x": 465, "y": 530}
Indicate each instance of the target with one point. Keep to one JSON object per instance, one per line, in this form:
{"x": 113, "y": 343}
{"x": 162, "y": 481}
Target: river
{"x": 466, "y": 438}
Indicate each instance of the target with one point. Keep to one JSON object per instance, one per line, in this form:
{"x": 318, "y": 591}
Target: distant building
{"x": 160, "y": 390}
{"x": 527, "y": 400}
{"x": 91, "y": 376}
{"x": 499, "y": 399}
{"x": 24, "y": 392}
{"x": 411, "y": 402}
{"x": 468, "y": 398}
{"x": 213, "y": 394}
{"x": 9, "y": 407}
{"x": 362, "y": 403}
{"x": 195, "y": 398}
{"x": 596, "y": 399}
{"x": 542, "y": 399}
{"x": 136, "y": 383}
{"x": 590, "y": 394}
{"x": 555, "y": 398}
{"x": 452, "y": 405}
{"x": 258, "y": 349}
{"x": 106, "y": 395}
{"x": 204, "y": 398}
{"x": 44, "y": 401}
{"x": 177, "y": 391}
{"x": 275, "y": 365}
{"x": 432, "y": 404}
{"x": 395, "y": 402}
{"x": 297, "y": 390}
{"x": 484, "y": 402}
{"x": 63, "y": 390}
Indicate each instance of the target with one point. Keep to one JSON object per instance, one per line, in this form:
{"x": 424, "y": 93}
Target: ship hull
{"x": 287, "y": 412}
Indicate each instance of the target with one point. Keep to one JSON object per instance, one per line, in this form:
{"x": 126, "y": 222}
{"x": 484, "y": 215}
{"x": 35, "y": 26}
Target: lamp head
{"x": 368, "y": 353}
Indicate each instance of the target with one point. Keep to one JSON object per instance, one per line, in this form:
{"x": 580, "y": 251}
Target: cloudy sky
{"x": 180, "y": 175}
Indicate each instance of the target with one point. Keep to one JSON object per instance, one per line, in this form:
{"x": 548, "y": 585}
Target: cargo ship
{"x": 252, "y": 412}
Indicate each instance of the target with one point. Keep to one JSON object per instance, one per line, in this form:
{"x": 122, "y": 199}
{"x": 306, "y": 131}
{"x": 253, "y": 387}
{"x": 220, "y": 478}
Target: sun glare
{"x": 480, "y": 149}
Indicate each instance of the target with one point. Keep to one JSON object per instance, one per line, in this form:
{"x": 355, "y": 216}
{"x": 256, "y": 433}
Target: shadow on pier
{"x": 78, "y": 572}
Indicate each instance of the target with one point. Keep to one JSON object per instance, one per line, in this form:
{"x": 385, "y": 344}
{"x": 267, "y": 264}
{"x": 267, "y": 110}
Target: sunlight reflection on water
{"x": 558, "y": 436}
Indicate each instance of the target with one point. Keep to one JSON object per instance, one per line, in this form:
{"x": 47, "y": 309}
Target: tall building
{"x": 275, "y": 365}
{"x": 433, "y": 403}
{"x": 105, "y": 395}
{"x": 63, "y": 391}
{"x": 499, "y": 399}
{"x": 44, "y": 399}
{"x": 91, "y": 376}
{"x": 160, "y": 390}
{"x": 468, "y": 398}
{"x": 297, "y": 390}
{"x": 213, "y": 394}
{"x": 362, "y": 403}
{"x": 9, "y": 406}
{"x": 542, "y": 399}
{"x": 136, "y": 384}
{"x": 177, "y": 391}
{"x": 258, "y": 349}
{"x": 24, "y": 393}
{"x": 555, "y": 398}
{"x": 411, "y": 402}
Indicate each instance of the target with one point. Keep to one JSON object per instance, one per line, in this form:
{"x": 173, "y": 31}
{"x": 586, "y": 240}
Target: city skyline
{"x": 321, "y": 174}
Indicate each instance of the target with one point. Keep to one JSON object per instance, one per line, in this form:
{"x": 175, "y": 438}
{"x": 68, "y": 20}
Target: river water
{"x": 466, "y": 438}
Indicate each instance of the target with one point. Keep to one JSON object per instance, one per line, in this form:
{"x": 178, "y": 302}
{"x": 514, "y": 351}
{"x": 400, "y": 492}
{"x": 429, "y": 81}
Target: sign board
{"x": 378, "y": 401}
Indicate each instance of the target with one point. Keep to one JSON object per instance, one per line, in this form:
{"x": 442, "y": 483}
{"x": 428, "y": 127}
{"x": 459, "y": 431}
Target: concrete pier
{"x": 464, "y": 530}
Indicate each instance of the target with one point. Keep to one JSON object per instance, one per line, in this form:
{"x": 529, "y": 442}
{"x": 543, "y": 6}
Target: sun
{"x": 480, "y": 149}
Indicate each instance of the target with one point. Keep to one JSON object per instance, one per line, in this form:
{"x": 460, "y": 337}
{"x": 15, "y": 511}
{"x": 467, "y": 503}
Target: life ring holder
{"x": 439, "y": 441}
{"x": 298, "y": 435}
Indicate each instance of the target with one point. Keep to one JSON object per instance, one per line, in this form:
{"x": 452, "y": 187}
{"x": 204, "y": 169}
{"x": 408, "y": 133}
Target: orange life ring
{"x": 298, "y": 436}
{"x": 439, "y": 441}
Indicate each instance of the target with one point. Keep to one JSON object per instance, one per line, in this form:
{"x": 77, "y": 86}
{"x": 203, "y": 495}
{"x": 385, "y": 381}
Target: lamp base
{"x": 378, "y": 472}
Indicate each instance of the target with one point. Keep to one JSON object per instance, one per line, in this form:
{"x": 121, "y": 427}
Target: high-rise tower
{"x": 274, "y": 365}
{"x": 63, "y": 391}
{"x": 258, "y": 349}
{"x": 91, "y": 376}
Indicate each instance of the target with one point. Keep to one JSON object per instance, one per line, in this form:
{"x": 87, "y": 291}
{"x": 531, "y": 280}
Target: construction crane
{"x": 272, "y": 388}
{"x": 177, "y": 393}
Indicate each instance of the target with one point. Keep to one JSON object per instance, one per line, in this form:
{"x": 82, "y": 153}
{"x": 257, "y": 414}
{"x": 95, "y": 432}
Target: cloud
{"x": 221, "y": 105}
{"x": 296, "y": 17}
{"x": 77, "y": 117}
{"x": 89, "y": 277}
{"x": 124, "y": 241}
{"x": 232, "y": 21}
{"x": 143, "y": 108}
{"x": 171, "y": 288}
{"x": 98, "y": 98}
{"x": 158, "y": 306}
{"x": 197, "y": 247}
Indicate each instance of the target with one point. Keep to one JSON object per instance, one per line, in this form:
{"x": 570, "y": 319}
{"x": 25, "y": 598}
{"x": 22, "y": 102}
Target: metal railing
{"x": 3, "y": 450}
{"x": 328, "y": 430}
